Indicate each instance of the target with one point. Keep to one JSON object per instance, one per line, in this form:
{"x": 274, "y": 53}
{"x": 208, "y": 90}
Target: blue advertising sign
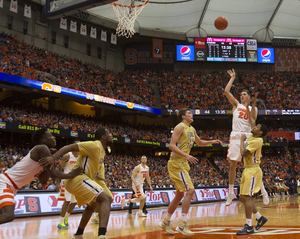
{"x": 71, "y": 92}
{"x": 185, "y": 52}
{"x": 265, "y": 55}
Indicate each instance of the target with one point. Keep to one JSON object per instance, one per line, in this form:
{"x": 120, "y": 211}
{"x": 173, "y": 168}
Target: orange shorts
{"x": 7, "y": 192}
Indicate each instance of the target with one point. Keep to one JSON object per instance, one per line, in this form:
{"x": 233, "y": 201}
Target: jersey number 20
{"x": 243, "y": 115}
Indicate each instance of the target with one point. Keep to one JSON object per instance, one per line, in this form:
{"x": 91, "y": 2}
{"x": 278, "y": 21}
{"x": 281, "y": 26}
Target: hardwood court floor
{"x": 206, "y": 220}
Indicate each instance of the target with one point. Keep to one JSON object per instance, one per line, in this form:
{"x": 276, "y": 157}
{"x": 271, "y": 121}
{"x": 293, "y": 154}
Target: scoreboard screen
{"x": 226, "y": 49}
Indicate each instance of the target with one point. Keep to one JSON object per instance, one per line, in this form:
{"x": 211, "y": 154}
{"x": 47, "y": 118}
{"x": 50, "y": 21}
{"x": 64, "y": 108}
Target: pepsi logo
{"x": 265, "y": 53}
{"x": 185, "y": 51}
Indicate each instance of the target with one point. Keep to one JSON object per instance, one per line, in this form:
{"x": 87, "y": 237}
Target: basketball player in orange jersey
{"x": 240, "y": 125}
{"x": 182, "y": 141}
{"x": 139, "y": 174}
{"x": 24, "y": 171}
{"x": 66, "y": 163}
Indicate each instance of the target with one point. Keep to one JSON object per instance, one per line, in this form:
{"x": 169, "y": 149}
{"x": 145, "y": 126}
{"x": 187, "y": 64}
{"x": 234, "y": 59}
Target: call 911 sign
{"x": 185, "y": 52}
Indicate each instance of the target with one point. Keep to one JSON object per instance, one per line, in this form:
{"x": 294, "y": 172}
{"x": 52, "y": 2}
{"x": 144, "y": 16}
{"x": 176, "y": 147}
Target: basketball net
{"x": 127, "y": 12}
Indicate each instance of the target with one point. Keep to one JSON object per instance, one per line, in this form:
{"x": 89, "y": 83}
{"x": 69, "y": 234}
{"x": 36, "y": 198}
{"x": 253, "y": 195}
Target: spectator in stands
{"x": 33, "y": 185}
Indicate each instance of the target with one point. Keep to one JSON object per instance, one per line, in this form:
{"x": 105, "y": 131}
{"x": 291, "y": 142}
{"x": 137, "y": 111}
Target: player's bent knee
{"x": 242, "y": 200}
{"x": 143, "y": 197}
{"x": 191, "y": 191}
{"x": 104, "y": 198}
{"x": 179, "y": 195}
{"x": 110, "y": 199}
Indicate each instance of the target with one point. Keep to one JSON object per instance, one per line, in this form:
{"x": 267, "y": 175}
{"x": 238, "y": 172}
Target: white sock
{"x": 262, "y": 189}
{"x": 183, "y": 216}
{"x": 231, "y": 188}
{"x": 67, "y": 214}
{"x": 249, "y": 222}
{"x": 257, "y": 215}
{"x": 169, "y": 216}
{"x": 140, "y": 211}
{"x": 61, "y": 219}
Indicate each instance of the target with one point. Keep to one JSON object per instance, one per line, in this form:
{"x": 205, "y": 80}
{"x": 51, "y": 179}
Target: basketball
{"x": 221, "y": 23}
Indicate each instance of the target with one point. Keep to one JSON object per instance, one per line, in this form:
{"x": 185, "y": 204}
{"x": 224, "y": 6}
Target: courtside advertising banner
{"x": 42, "y": 203}
{"x": 33, "y": 203}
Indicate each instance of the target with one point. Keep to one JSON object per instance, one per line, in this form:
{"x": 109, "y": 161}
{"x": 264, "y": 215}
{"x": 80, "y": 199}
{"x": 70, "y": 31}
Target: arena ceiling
{"x": 261, "y": 19}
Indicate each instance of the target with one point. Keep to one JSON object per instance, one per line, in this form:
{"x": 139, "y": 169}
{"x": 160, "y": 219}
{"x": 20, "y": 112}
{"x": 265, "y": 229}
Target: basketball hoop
{"x": 127, "y": 12}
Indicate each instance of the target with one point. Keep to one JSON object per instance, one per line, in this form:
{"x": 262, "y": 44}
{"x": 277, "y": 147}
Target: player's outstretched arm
{"x": 36, "y": 154}
{"x": 253, "y": 112}
{"x": 97, "y": 175}
{"x": 201, "y": 142}
{"x": 62, "y": 161}
{"x": 228, "y": 95}
{"x": 244, "y": 151}
{"x": 42, "y": 151}
{"x": 49, "y": 161}
{"x": 60, "y": 175}
{"x": 178, "y": 130}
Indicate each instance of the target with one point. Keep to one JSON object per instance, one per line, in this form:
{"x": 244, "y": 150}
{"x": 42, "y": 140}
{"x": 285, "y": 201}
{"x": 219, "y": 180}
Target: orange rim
{"x": 120, "y": 5}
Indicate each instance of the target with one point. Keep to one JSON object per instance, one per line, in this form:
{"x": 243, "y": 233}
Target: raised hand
{"x": 254, "y": 99}
{"x": 231, "y": 73}
{"x": 248, "y": 103}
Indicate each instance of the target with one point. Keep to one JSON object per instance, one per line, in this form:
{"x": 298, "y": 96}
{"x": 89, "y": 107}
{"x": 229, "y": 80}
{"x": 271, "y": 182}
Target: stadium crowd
{"x": 21, "y": 59}
{"x": 201, "y": 90}
{"x": 212, "y": 170}
{"x": 31, "y": 114}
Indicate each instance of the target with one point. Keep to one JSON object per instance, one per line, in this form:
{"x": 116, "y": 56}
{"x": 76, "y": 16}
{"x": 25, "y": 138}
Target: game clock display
{"x": 225, "y": 50}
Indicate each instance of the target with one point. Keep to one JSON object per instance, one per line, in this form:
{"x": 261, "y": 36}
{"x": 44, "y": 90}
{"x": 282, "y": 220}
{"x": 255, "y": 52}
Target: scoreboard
{"x": 225, "y": 50}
